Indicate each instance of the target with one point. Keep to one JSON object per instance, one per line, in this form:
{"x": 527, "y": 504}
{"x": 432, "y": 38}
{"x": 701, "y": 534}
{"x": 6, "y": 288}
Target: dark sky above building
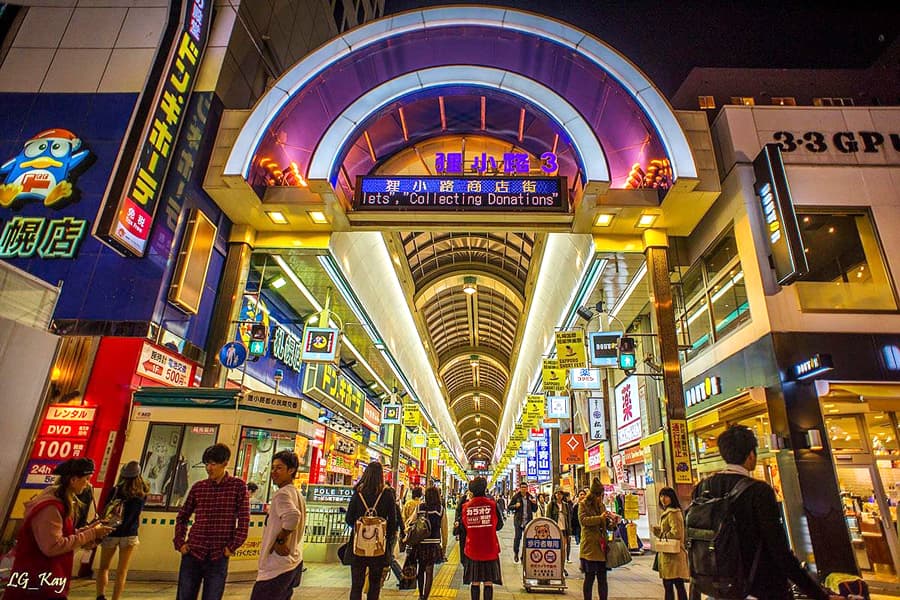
{"x": 667, "y": 38}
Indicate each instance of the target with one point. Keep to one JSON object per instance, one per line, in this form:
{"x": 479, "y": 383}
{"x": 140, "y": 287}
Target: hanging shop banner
{"x": 136, "y": 188}
{"x": 434, "y": 440}
{"x": 543, "y": 457}
{"x": 543, "y": 556}
{"x": 434, "y": 453}
{"x": 262, "y": 400}
{"x": 531, "y": 467}
{"x": 633, "y": 455}
{"x": 550, "y": 423}
{"x": 321, "y": 344}
{"x": 419, "y": 440}
{"x": 628, "y": 412}
{"x": 571, "y": 448}
{"x": 594, "y": 458}
{"x": 412, "y": 417}
{"x": 468, "y": 194}
{"x": 371, "y": 416}
{"x": 553, "y": 378}
{"x": 604, "y": 347}
{"x": 570, "y": 349}
{"x": 534, "y": 405}
{"x": 163, "y": 367}
{"x": 557, "y": 407}
{"x": 391, "y": 414}
{"x": 681, "y": 452}
{"x": 597, "y": 418}
{"x": 632, "y": 507}
{"x": 324, "y": 383}
{"x": 584, "y": 379}
{"x": 536, "y": 434}
{"x": 518, "y": 435}
{"x": 619, "y": 467}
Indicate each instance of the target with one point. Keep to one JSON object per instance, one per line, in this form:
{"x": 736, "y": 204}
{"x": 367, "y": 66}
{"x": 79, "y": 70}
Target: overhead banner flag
{"x": 571, "y": 448}
{"x": 557, "y": 407}
{"x": 570, "y": 349}
{"x": 553, "y": 378}
{"x": 597, "y": 418}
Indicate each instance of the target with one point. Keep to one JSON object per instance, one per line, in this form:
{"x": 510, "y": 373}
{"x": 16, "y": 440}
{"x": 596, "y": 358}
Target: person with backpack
{"x": 524, "y": 508}
{"x": 596, "y": 521}
{"x": 431, "y": 548}
{"x": 481, "y": 521}
{"x": 372, "y": 516}
{"x": 124, "y": 506}
{"x": 736, "y": 541}
{"x": 673, "y": 562}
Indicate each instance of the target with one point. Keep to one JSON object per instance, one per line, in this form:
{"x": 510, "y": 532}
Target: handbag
{"x": 343, "y": 554}
{"x": 617, "y": 553}
{"x": 667, "y": 546}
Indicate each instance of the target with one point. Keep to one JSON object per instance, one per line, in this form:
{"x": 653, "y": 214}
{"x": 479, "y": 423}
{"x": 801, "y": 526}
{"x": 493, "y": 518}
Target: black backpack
{"x": 714, "y": 545}
{"x": 418, "y": 530}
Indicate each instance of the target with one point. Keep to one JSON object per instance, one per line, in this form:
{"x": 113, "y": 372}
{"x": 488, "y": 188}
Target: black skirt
{"x": 476, "y": 571}
{"x": 593, "y": 566}
{"x": 427, "y": 554}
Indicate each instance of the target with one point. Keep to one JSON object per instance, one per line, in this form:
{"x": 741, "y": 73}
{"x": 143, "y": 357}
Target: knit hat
{"x": 596, "y": 487}
{"x": 75, "y": 467}
{"x": 131, "y": 470}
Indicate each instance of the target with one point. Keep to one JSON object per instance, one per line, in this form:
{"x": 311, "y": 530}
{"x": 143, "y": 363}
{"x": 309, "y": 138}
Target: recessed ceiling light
{"x": 604, "y": 219}
{"x": 646, "y": 220}
{"x": 279, "y": 283}
{"x": 317, "y": 216}
{"x": 277, "y": 217}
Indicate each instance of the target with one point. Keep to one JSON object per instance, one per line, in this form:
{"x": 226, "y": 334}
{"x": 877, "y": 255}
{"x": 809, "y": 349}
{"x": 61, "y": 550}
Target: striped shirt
{"x": 221, "y": 518}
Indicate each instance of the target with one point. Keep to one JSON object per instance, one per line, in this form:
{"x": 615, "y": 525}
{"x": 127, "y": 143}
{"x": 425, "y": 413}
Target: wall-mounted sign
{"x": 777, "y": 206}
{"x": 570, "y": 349}
{"x": 681, "y": 452}
{"x": 553, "y": 378}
{"x": 543, "y": 457}
{"x": 604, "y": 348}
{"x": 324, "y": 383}
{"x": 320, "y": 344}
{"x": 287, "y": 348}
{"x": 843, "y": 142}
{"x": 597, "y": 417}
{"x": 628, "y": 412}
{"x": 329, "y": 494}
{"x": 709, "y": 387}
{"x": 558, "y": 407}
{"x": 275, "y": 402}
{"x": 468, "y": 194}
{"x": 814, "y": 365}
{"x": 584, "y": 379}
{"x": 135, "y": 190}
{"x": 511, "y": 163}
{"x": 63, "y": 434}
{"x": 633, "y": 455}
{"x": 595, "y": 459}
{"x": 164, "y": 367}
{"x": 371, "y": 416}
{"x": 391, "y": 414}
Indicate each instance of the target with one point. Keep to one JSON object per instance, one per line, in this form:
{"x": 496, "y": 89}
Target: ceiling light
{"x": 604, "y": 219}
{"x": 646, "y": 220}
{"x": 318, "y": 217}
{"x": 278, "y": 283}
{"x": 473, "y": 360}
{"x": 469, "y": 285}
{"x": 277, "y": 217}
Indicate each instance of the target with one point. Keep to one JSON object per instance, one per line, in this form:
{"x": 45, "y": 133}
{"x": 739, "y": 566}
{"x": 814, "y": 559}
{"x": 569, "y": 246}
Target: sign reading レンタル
{"x": 570, "y": 349}
{"x": 136, "y": 188}
{"x": 470, "y": 194}
{"x": 162, "y": 367}
{"x": 628, "y": 412}
{"x": 63, "y": 434}
{"x": 681, "y": 453}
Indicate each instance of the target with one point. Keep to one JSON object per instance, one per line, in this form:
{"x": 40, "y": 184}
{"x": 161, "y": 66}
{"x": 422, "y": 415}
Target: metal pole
{"x": 395, "y": 456}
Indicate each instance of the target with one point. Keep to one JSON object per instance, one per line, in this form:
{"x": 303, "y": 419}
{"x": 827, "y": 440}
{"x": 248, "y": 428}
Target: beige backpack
{"x": 370, "y": 531}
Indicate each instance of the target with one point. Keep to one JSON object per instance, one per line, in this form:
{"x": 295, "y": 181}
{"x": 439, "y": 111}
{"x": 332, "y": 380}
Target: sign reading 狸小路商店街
{"x": 468, "y": 194}
{"x": 324, "y": 383}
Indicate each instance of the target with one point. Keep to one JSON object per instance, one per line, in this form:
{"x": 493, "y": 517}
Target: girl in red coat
{"x": 481, "y": 521}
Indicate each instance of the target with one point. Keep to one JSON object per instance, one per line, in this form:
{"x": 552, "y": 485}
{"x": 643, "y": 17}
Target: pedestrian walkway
{"x": 635, "y": 581}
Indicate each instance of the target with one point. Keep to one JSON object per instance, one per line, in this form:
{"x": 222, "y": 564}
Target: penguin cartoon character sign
{"x": 44, "y": 171}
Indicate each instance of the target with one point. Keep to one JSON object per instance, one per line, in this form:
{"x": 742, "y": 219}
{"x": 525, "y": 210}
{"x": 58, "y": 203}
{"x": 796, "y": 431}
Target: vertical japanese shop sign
{"x": 63, "y": 434}
{"x": 628, "y": 412}
{"x": 597, "y": 418}
{"x": 543, "y": 457}
{"x": 681, "y": 453}
{"x": 135, "y": 190}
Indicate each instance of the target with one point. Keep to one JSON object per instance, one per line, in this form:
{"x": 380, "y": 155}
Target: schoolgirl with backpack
{"x": 372, "y": 517}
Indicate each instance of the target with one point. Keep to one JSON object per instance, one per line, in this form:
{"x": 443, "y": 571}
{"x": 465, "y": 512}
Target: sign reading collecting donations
{"x": 782, "y": 230}
{"x": 470, "y": 194}
{"x": 135, "y": 190}
{"x": 628, "y": 412}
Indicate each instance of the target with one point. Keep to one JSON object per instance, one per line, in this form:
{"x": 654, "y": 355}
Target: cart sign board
{"x": 628, "y": 412}
{"x": 605, "y": 348}
{"x": 681, "y": 453}
{"x": 781, "y": 228}
{"x": 597, "y": 418}
{"x": 320, "y": 344}
{"x": 543, "y": 555}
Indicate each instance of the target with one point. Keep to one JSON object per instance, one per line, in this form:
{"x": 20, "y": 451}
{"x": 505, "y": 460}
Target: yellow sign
{"x": 553, "y": 379}
{"x": 249, "y": 550}
{"x": 411, "y": 415}
{"x": 632, "y": 507}
{"x": 419, "y": 440}
{"x": 434, "y": 440}
{"x": 535, "y": 405}
{"x": 681, "y": 452}
{"x": 570, "y": 349}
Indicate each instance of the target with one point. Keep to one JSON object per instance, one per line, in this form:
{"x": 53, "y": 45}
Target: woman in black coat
{"x": 371, "y": 491}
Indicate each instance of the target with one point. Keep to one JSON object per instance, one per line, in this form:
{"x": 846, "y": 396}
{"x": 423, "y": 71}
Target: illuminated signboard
{"x": 135, "y": 190}
{"x": 512, "y": 163}
{"x": 470, "y": 194}
{"x": 814, "y": 365}
{"x": 324, "y": 383}
{"x": 781, "y": 228}
{"x": 286, "y": 347}
{"x": 320, "y": 344}
{"x": 709, "y": 387}
{"x": 604, "y": 348}
{"x": 628, "y": 412}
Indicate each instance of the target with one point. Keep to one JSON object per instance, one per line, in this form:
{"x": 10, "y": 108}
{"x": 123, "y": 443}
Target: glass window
{"x": 744, "y": 100}
{"x": 881, "y": 434}
{"x": 721, "y": 254}
{"x": 173, "y": 461}
{"x": 784, "y": 101}
{"x": 706, "y": 102}
{"x": 254, "y": 464}
{"x": 729, "y": 302}
{"x": 844, "y": 433}
{"x": 692, "y": 284}
{"x": 699, "y": 331}
{"x": 846, "y": 268}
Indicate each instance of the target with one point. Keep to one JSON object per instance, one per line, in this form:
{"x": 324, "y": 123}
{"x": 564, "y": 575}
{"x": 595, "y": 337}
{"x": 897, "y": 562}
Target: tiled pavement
{"x": 635, "y": 581}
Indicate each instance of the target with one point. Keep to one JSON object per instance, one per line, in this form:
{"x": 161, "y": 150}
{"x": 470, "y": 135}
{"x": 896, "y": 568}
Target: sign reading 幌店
{"x": 628, "y": 412}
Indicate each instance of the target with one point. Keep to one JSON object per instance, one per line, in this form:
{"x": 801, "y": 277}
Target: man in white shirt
{"x": 281, "y": 553}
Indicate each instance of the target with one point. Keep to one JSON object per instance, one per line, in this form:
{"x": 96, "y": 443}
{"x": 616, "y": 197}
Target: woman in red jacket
{"x": 47, "y": 541}
{"x": 481, "y": 521}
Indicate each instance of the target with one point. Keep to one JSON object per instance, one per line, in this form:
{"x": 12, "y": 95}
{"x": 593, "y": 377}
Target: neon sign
{"x": 512, "y": 163}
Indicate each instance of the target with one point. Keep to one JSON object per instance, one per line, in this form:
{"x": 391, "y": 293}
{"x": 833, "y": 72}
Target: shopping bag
{"x": 617, "y": 554}
{"x": 668, "y": 546}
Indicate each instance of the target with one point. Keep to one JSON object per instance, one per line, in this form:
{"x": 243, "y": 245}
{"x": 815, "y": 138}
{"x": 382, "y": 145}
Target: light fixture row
{"x": 316, "y": 216}
{"x": 606, "y": 219}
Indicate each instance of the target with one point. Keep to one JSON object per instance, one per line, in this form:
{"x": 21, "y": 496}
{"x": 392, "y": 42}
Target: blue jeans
{"x": 193, "y": 572}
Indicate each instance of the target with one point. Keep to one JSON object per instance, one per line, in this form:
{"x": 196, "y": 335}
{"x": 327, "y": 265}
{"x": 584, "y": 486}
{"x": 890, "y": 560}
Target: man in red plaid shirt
{"x": 221, "y": 509}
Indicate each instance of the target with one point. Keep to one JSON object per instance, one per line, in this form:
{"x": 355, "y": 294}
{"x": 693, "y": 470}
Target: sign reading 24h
{"x": 44, "y": 171}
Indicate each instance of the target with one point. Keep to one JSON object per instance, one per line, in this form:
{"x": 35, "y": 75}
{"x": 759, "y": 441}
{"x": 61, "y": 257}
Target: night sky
{"x": 667, "y": 38}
